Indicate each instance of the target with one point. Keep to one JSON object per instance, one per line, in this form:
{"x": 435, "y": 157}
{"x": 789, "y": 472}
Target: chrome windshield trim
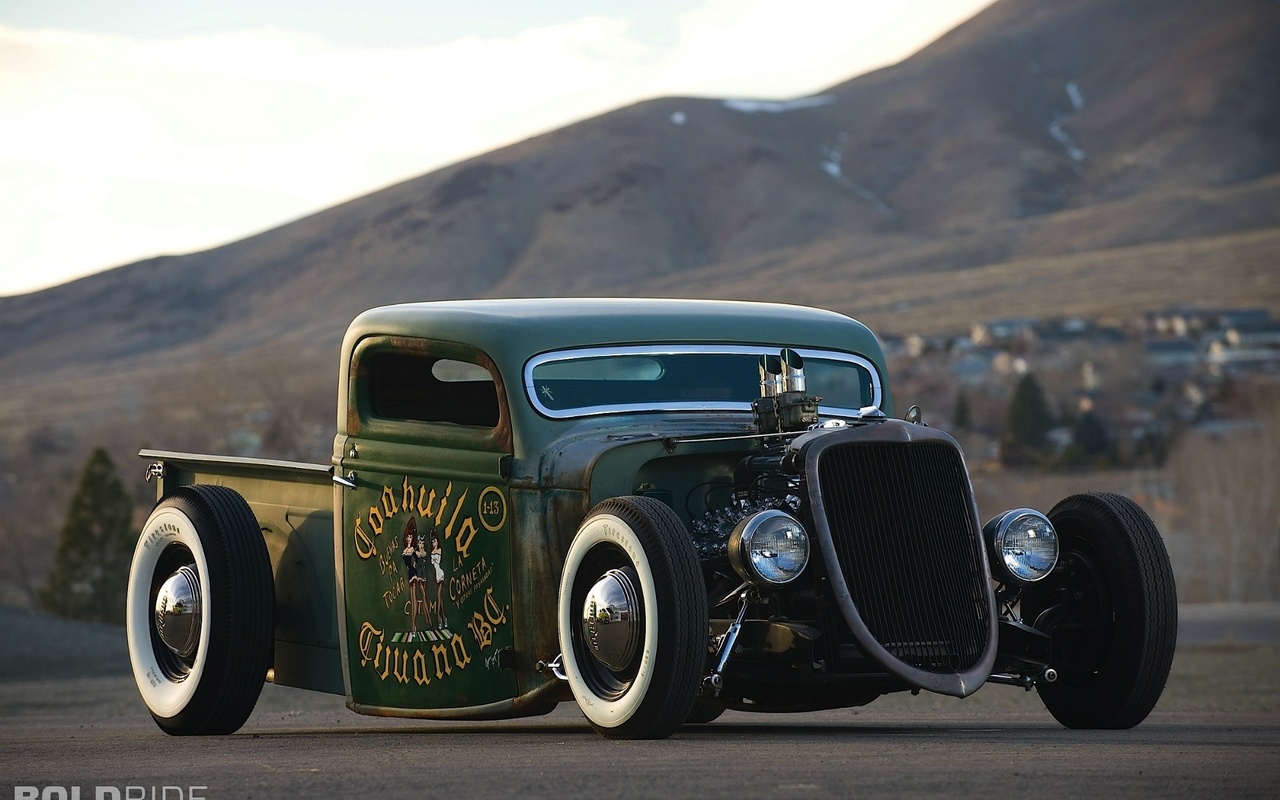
{"x": 690, "y": 349}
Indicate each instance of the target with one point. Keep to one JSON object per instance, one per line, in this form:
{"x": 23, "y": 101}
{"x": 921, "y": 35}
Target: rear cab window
{"x": 424, "y": 388}
{"x": 411, "y": 390}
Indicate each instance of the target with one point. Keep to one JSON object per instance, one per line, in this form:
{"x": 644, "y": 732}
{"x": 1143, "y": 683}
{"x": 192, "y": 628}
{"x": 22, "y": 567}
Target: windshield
{"x": 686, "y": 378}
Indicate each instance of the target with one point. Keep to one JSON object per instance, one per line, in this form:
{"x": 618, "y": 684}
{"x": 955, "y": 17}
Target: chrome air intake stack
{"x": 792, "y": 371}
{"x": 770, "y": 376}
{"x": 784, "y": 406}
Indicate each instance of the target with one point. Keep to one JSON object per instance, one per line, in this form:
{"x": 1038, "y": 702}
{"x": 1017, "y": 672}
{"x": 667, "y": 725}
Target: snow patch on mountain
{"x": 778, "y": 106}
{"x": 830, "y": 163}
{"x": 832, "y": 158}
{"x": 1056, "y": 126}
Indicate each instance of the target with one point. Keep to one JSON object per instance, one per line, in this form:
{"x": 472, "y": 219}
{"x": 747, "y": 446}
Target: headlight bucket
{"x": 1022, "y": 546}
{"x": 769, "y": 548}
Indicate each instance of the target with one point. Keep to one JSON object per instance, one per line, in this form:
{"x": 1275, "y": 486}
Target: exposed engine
{"x": 784, "y": 406}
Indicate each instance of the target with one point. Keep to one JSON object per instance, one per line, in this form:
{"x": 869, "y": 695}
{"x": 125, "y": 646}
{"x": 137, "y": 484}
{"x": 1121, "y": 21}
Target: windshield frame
{"x": 807, "y": 353}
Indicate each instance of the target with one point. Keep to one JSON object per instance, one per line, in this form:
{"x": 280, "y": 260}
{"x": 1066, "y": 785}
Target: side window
{"x": 424, "y": 388}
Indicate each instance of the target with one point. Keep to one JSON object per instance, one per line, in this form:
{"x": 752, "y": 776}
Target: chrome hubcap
{"x": 613, "y": 618}
{"x": 178, "y": 612}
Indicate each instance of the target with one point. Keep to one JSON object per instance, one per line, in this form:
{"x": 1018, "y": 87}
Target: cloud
{"x": 270, "y": 106}
{"x": 114, "y": 149}
{"x": 780, "y": 48}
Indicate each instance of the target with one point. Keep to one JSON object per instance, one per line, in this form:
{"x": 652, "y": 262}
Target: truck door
{"x": 425, "y": 587}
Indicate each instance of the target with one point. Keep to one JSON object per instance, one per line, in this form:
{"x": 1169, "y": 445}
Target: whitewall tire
{"x": 633, "y": 619}
{"x": 200, "y": 611}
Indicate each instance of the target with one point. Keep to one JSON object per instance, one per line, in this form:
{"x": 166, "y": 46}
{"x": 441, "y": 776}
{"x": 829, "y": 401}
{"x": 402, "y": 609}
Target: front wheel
{"x": 703, "y": 712}
{"x": 1111, "y": 610}
{"x": 633, "y": 619}
{"x": 201, "y": 604}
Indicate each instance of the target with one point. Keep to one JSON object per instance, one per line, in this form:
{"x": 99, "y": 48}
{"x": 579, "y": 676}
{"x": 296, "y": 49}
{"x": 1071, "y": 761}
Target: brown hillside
{"x": 1092, "y": 157}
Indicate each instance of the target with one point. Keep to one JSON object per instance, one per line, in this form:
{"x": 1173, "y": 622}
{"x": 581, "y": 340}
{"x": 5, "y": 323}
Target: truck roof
{"x": 512, "y": 330}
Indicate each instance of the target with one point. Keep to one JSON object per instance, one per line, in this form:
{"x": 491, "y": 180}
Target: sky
{"x": 136, "y": 128}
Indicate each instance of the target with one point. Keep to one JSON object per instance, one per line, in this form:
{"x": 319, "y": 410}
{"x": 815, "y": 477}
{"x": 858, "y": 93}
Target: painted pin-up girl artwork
{"x": 439, "y": 577}
{"x": 415, "y": 560}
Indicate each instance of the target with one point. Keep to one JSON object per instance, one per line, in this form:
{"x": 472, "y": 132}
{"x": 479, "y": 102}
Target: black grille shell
{"x": 898, "y": 529}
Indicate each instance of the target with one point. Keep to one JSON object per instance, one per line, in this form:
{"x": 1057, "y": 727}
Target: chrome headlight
{"x": 769, "y": 547}
{"x": 1022, "y": 546}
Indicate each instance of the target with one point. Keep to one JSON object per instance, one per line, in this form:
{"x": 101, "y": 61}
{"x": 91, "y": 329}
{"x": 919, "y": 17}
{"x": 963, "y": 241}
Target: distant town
{"x": 1144, "y": 381}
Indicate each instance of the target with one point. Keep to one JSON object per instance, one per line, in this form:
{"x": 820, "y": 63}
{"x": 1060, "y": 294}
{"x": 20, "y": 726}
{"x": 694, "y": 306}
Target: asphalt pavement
{"x": 71, "y": 719}
{"x": 1227, "y": 623}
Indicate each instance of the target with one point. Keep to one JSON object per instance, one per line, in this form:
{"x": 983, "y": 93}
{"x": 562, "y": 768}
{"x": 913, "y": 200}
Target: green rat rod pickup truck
{"x": 658, "y": 509}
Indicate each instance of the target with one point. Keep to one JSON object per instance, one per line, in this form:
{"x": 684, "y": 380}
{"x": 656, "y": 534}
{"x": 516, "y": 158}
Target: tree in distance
{"x": 1026, "y": 433}
{"x": 962, "y": 418}
{"x": 90, "y": 570}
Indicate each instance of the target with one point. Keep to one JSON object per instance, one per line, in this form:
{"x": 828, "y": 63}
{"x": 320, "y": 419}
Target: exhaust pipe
{"x": 784, "y": 405}
{"x": 771, "y": 382}
{"x": 792, "y": 371}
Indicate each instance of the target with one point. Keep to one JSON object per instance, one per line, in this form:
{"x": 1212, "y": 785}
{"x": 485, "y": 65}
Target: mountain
{"x": 1085, "y": 157}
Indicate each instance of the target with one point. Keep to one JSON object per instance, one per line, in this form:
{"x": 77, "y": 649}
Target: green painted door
{"x": 426, "y": 532}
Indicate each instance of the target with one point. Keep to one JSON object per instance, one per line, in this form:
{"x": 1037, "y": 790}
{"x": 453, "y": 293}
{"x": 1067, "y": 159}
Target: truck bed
{"x": 294, "y": 505}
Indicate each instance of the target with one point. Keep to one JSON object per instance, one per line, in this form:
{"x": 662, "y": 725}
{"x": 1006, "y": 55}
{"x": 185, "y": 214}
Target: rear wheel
{"x": 632, "y": 619}
{"x": 1111, "y": 610}
{"x": 201, "y": 603}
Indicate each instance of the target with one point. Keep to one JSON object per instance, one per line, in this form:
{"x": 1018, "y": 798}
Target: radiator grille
{"x": 901, "y": 521}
